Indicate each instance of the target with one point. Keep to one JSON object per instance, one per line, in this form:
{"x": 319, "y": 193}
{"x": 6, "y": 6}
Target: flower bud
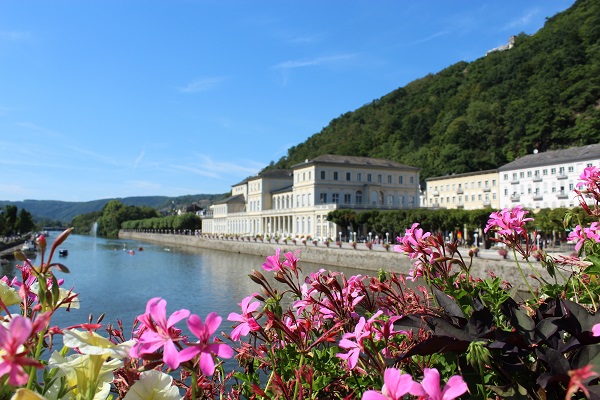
{"x": 20, "y": 256}
{"x": 41, "y": 242}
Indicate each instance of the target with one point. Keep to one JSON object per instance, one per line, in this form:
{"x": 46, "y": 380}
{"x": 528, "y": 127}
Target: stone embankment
{"x": 348, "y": 257}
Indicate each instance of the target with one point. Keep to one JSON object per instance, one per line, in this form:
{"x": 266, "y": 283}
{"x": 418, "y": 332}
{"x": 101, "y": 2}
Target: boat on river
{"x": 63, "y": 252}
{"x": 29, "y": 248}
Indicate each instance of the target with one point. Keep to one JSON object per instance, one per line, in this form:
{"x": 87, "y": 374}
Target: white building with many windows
{"x": 296, "y": 202}
{"x": 545, "y": 180}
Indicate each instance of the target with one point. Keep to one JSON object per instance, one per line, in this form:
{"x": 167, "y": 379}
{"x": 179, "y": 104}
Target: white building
{"x": 545, "y": 180}
{"x": 296, "y": 202}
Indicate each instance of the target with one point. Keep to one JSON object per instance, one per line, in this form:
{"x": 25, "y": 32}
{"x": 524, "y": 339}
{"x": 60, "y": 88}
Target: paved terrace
{"x": 360, "y": 257}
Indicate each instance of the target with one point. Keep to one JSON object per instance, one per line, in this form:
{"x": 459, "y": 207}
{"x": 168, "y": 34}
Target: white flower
{"x": 153, "y": 385}
{"x": 93, "y": 344}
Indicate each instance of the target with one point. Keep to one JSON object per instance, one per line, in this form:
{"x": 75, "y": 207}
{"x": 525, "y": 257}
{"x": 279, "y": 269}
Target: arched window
{"x": 359, "y": 197}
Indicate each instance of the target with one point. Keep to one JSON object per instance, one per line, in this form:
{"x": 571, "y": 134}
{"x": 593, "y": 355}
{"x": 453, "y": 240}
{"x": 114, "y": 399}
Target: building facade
{"x": 296, "y": 202}
{"x": 545, "y": 180}
{"x": 468, "y": 191}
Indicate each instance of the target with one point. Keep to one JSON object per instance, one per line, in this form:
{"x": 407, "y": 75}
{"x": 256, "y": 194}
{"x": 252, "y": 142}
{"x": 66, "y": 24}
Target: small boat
{"x": 140, "y": 249}
{"x": 29, "y": 248}
{"x": 63, "y": 252}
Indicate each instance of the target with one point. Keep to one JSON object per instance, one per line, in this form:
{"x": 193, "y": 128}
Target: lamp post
{"x": 387, "y": 237}
{"x": 370, "y": 237}
{"x": 340, "y": 237}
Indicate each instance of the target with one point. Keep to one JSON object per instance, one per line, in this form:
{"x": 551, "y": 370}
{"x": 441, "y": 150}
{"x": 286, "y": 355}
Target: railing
{"x": 561, "y": 176}
{"x": 487, "y": 189}
{"x": 538, "y": 197}
{"x": 562, "y": 195}
{"x": 459, "y": 191}
{"x": 515, "y": 198}
{"x": 514, "y": 182}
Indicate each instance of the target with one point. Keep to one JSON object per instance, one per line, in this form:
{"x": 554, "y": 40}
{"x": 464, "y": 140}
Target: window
{"x": 348, "y": 176}
{"x": 303, "y": 200}
{"x": 561, "y": 171}
{"x": 323, "y": 198}
{"x": 479, "y": 197}
{"x": 529, "y": 174}
{"x": 401, "y": 180}
{"x": 322, "y": 174}
{"x": 335, "y": 198}
{"x": 514, "y": 176}
{"x": 505, "y": 177}
{"x": 389, "y": 179}
{"x": 359, "y": 177}
{"x": 347, "y": 198}
{"x": 358, "y": 197}
{"x": 335, "y": 176}
{"x": 478, "y": 184}
{"x": 493, "y": 182}
{"x": 390, "y": 200}
{"x": 412, "y": 179}
{"x": 553, "y": 171}
{"x": 522, "y": 175}
{"x": 368, "y": 177}
{"x": 571, "y": 169}
{"x": 544, "y": 172}
{"x": 506, "y": 192}
{"x": 379, "y": 178}
{"x": 309, "y": 175}
{"x": 304, "y": 176}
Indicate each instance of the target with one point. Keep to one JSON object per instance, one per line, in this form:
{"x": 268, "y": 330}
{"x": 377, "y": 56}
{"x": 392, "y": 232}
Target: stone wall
{"x": 333, "y": 256}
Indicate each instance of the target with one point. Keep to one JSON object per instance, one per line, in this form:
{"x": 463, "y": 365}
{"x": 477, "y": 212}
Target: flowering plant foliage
{"x": 440, "y": 333}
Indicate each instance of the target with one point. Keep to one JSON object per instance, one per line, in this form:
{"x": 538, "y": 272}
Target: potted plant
{"x": 386, "y": 246}
{"x": 502, "y": 251}
{"x": 475, "y": 251}
{"x": 368, "y": 244}
{"x": 339, "y": 243}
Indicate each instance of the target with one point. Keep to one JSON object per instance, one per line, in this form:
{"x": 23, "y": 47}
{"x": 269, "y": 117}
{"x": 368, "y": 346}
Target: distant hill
{"x": 542, "y": 94}
{"x": 64, "y": 211}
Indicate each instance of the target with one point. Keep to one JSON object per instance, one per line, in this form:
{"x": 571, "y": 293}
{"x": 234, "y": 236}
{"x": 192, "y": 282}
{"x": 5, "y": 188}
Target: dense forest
{"x": 15, "y": 222}
{"x": 542, "y": 94}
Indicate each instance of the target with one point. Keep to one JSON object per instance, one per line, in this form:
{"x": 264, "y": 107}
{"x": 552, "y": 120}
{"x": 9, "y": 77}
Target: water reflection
{"x": 118, "y": 277}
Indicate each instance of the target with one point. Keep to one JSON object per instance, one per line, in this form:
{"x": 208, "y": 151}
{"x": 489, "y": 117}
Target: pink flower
{"x": 395, "y": 386}
{"x": 361, "y": 331}
{"x": 273, "y": 262}
{"x": 430, "y": 386}
{"x": 414, "y": 242}
{"x": 203, "y": 347}
{"x": 508, "y": 222}
{"x": 291, "y": 260}
{"x": 247, "y": 321}
{"x": 157, "y": 332}
{"x": 596, "y": 330}
{"x": 14, "y": 353}
{"x": 589, "y": 178}
{"x": 581, "y": 235}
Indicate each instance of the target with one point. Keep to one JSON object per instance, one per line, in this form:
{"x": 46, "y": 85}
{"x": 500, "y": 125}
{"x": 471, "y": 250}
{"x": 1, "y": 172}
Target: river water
{"x": 111, "y": 280}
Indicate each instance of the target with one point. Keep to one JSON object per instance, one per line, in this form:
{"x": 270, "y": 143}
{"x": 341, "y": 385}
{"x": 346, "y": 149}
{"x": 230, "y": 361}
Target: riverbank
{"x": 346, "y": 256}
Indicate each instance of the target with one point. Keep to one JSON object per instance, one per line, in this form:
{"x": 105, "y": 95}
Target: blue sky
{"x": 118, "y": 98}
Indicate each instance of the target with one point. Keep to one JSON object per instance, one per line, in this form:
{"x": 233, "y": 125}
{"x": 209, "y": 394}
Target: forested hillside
{"x": 542, "y": 94}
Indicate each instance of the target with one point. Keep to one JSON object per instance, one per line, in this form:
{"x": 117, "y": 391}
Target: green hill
{"x": 542, "y": 94}
{"x": 64, "y": 211}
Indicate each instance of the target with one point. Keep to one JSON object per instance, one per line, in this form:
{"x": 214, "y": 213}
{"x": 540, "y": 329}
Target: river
{"x": 111, "y": 280}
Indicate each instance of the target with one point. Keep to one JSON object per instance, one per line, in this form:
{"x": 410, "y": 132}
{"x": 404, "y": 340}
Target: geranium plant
{"x": 327, "y": 336}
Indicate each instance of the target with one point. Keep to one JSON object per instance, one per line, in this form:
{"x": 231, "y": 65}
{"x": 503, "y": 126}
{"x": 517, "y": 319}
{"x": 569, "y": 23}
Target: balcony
{"x": 435, "y": 193}
{"x": 562, "y": 195}
{"x": 515, "y": 197}
{"x": 537, "y": 178}
{"x": 561, "y": 176}
{"x": 487, "y": 189}
{"x": 459, "y": 191}
{"x": 538, "y": 197}
{"x": 514, "y": 182}
{"x": 487, "y": 203}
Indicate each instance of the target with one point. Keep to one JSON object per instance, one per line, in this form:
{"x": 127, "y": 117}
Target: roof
{"x": 554, "y": 157}
{"x": 238, "y": 198}
{"x": 283, "y": 189}
{"x": 268, "y": 174}
{"x": 451, "y": 176}
{"x": 356, "y": 161}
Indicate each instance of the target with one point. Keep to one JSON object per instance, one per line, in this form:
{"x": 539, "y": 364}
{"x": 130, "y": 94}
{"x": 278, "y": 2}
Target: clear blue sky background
{"x": 118, "y": 98}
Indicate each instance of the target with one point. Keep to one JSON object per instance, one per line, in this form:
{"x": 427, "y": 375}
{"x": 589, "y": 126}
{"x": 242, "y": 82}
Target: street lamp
{"x": 387, "y": 237}
{"x": 355, "y": 237}
{"x": 370, "y": 237}
{"x": 340, "y": 237}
